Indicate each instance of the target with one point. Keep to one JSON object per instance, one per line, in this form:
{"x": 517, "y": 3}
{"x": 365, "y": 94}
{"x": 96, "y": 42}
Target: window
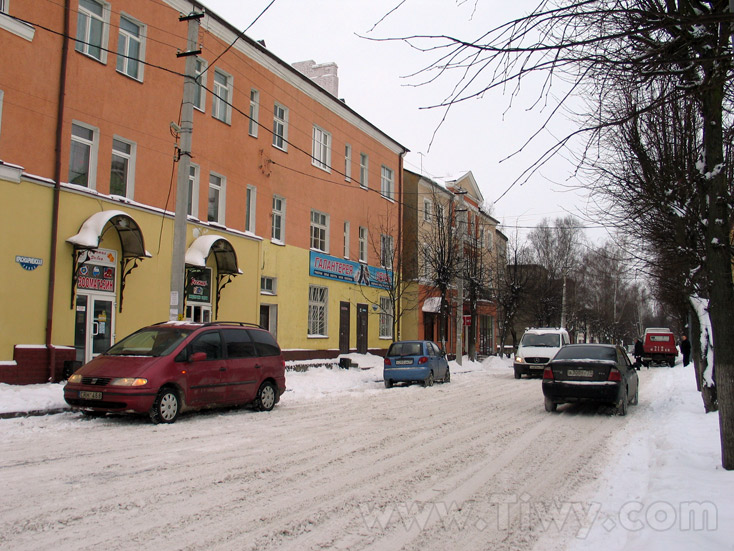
{"x": 364, "y": 162}
{"x": 386, "y": 251}
{"x": 83, "y": 157}
{"x": 348, "y": 163}
{"x": 427, "y": 270}
{"x": 254, "y": 112}
{"x": 221, "y": 96}
{"x": 362, "y": 244}
{"x": 319, "y": 231}
{"x": 123, "y": 168}
{"x": 387, "y": 183}
{"x": 280, "y": 127}
{"x": 91, "y": 29}
{"x": 215, "y": 211}
{"x": 250, "y": 204}
{"x": 268, "y": 285}
{"x": 427, "y": 210}
{"x": 321, "y": 149}
{"x": 440, "y": 217}
{"x": 385, "y": 318}
{"x": 278, "y": 231}
{"x": 200, "y": 91}
{"x": 1, "y": 110}
{"x": 130, "y": 48}
{"x": 3, "y": 6}
{"x": 192, "y": 207}
{"x": 317, "y": 310}
{"x": 346, "y": 239}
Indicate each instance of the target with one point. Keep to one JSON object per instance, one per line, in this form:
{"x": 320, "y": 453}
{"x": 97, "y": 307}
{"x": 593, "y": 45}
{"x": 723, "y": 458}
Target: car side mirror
{"x": 197, "y": 357}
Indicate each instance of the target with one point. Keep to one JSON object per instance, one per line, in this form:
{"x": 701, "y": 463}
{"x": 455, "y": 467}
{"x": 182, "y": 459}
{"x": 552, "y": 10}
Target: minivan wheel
{"x": 166, "y": 406}
{"x": 429, "y": 380}
{"x": 265, "y": 400}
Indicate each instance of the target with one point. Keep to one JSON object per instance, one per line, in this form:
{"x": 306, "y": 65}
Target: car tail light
{"x": 548, "y": 373}
{"x": 387, "y": 361}
{"x": 422, "y": 360}
{"x": 614, "y": 375}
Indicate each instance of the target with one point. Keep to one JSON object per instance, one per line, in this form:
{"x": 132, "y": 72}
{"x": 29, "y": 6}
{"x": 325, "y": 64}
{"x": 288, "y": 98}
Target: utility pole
{"x": 176, "y": 304}
{"x": 460, "y": 223}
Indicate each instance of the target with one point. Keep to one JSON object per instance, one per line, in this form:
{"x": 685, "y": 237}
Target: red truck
{"x": 659, "y": 347}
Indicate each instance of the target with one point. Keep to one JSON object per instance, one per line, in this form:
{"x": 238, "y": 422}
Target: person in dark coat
{"x": 685, "y": 349}
{"x": 639, "y": 351}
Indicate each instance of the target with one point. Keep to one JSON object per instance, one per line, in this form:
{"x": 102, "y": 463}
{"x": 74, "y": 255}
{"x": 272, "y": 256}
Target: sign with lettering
{"x": 96, "y": 270}
{"x": 198, "y": 285}
{"x": 330, "y": 267}
{"x": 29, "y": 263}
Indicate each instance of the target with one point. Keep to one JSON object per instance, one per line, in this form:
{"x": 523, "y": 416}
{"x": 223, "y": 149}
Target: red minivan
{"x": 164, "y": 369}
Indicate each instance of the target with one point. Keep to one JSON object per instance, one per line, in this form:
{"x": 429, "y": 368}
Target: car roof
{"x": 193, "y": 325}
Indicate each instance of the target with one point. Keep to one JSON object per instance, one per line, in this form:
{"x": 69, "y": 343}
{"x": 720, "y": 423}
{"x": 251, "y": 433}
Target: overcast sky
{"x": 373, "y": 80}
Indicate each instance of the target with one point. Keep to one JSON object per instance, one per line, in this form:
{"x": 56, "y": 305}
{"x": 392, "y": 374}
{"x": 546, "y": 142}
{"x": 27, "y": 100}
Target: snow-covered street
{"x": 343, "y": 463}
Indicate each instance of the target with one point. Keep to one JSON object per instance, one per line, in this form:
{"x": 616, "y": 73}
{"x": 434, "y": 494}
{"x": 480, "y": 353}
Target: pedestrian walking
{"x": 638, "y": 352}
{"x": 685, "y": 349}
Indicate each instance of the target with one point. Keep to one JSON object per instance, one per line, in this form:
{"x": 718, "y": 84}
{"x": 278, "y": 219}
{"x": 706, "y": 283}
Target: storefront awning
{"x": 224, "y": 254}
{"x": 131, "y": 238}
{"x": 432, "y": 304}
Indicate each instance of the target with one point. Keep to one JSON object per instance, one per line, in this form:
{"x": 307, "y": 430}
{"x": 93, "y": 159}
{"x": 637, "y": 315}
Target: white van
{"x": 537, "y": 347}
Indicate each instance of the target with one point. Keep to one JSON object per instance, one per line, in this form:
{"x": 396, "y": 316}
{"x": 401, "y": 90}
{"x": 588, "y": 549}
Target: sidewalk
{"x": 23, "y": 400}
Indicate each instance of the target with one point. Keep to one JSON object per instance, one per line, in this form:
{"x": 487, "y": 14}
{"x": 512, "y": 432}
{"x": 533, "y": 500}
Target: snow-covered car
{"x": 591, "y": 372}
{"x": 415, "y": 361}
{"x": 167, "y": 368}
{"x": 537, "y": 347}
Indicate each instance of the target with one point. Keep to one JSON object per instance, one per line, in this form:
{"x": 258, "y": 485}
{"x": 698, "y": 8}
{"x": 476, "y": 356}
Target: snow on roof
{"x": 199, "y": 250}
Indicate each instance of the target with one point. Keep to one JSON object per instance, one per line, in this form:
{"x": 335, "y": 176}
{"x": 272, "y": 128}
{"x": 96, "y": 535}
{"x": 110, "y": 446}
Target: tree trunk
{"x": 700, "y": 363}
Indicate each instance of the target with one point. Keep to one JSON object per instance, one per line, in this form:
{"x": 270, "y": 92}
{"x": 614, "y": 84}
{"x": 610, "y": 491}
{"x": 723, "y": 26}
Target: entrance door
{"x": 344, "y": 314}
{"x": 362, "y": 328}
{"x": 94, "y": 325}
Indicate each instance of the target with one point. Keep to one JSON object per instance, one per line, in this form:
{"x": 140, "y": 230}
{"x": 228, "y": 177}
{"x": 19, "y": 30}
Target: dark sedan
{"x": 591, "y": 372}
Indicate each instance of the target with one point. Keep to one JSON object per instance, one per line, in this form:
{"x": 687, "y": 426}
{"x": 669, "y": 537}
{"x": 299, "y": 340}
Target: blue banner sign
{"x": 330, "y": 267}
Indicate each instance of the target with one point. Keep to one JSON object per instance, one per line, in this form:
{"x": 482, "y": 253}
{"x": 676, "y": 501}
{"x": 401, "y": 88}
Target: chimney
{"x": 323, "y": 74}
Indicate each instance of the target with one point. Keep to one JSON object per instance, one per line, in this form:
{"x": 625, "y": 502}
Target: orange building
{"x": 292, "y": 196}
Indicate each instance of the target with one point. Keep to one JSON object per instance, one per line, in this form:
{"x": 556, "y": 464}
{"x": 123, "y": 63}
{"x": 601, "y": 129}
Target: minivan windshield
{"x": 541, "y": 339}
{"x": 151, "y": 341}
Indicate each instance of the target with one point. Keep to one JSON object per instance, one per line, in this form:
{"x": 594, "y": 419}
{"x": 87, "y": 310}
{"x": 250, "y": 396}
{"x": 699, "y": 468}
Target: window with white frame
{"x": 321, "y": 149}
{"x": 254, "y": 112}
{"x": 215, "y": 211}
{"x": 222, "y": 96}
{"x": 83, "y": 156}
{"x": 280, "y": 127}
{"x": 427, "y": 210}
{"x": 268, "y": 285}
{"x": 348, "y": 163}
{"x": 489, "y": 240}
{"x": 363, "y": 244}
{"x": 317, "y": 310}
{"x": 131, "y": 48}
{"x": 387, "y": 182}
{"x": 2, "y": 94}
{"x": 385, "y": 318}
{"x": 346, "y": 239}
{"x": 386, "y": 251}
{"x": 192, "y": 207}
{"x": 364, "y": 164}
{"x": 200, "y": 90}
{"x": 426, "y": 268}
{"x": 92, "y": 22}
{"x": 319, "y": 231}
{"x": 278, "y": 230}
{"x": 440, "y": 214}
{"x": 3, "y": 6}
{"x": 250, "y": 205}
{"x": 122, "y": 171}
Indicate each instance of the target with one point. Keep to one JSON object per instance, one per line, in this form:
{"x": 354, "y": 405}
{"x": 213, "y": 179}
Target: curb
{"x": 33, "y": 413}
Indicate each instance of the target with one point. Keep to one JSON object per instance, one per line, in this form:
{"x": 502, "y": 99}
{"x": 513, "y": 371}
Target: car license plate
{"x": 580, "y": 372}
{"x": 87, "y": 395}
{"x": 403, "y": 362}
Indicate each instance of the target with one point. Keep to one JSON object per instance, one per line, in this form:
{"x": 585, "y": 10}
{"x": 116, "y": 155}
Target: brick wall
{"x": 31, "y": 365}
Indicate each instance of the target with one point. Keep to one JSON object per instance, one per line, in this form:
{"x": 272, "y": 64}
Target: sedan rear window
{"x": 405, "y": 349}
{"x": 587, "y": 353}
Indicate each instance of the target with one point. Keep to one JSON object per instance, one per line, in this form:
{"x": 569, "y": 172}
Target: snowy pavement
{"x": 344, "y": 463}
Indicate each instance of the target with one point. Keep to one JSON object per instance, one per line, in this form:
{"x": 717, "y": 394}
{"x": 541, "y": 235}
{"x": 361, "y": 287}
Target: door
{"x": 344, "y": 314}
{"x": 94, "y": 325}
{"x": 362, "y": 328}
{"x": 204, "y": 377}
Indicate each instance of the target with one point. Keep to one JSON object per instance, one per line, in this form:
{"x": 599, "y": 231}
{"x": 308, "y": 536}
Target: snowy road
{"x": 473, "y": 464}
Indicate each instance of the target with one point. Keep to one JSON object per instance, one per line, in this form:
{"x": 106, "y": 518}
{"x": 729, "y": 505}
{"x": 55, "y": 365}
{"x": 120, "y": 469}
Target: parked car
{"x": 591, "y": 372}
{"x": 659, "y": 347}
{"x": 415, "y": 361}
{"x": 537, "y": 347}
{"x": 164, "y": 369}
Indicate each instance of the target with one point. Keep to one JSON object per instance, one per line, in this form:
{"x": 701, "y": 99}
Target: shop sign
{"x": 330, "y": 267}
{"x": 198, "y": 285}
{"x": 29, "y": 263}
{"x": 97, "y": 269}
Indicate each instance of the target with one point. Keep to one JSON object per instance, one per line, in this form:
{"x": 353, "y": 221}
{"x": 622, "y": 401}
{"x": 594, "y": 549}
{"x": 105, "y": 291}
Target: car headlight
{"x": 75, "y": 378}
{"x": 518, "y": 359}
{"x": 128, "y": 381}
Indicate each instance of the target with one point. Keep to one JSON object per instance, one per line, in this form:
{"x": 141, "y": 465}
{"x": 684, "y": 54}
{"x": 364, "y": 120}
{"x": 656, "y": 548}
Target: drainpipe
{"x": 401, "y": 248}
{"x": 57, "y": 190}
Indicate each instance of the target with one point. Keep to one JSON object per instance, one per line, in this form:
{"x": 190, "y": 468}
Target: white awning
{"x": 432, "y": 304}
{"x": 223, "y": 250}
{"x": 131, "y": 237}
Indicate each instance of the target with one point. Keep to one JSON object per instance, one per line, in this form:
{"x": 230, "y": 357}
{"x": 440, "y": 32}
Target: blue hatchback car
{"x": 415, "y": 361}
